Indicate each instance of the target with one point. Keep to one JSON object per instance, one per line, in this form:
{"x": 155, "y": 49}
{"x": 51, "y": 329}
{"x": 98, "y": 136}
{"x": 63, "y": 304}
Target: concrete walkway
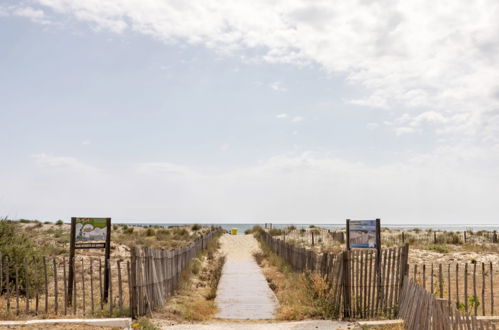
{"x": 297, "y": 325}
{"x": 243, "y": 292}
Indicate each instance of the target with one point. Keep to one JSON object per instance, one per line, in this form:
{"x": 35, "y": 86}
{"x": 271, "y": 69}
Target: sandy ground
{"x": 243, "y": 292}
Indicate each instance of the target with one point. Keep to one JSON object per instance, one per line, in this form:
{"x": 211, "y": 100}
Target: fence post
{"x": 347, "y": 299}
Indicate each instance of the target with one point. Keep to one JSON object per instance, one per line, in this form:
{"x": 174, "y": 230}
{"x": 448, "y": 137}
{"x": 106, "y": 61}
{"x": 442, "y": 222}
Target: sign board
{"x": 363, "y": 234}
{"x": 90, "y": 233}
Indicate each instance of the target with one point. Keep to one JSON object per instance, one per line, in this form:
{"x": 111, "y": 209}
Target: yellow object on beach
{"x": 233, "y": 231}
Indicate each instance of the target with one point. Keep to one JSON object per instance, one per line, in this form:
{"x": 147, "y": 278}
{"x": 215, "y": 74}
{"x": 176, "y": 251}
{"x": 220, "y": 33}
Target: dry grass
{"x": 301, "y": 296}
{"x": 194, "y": 301}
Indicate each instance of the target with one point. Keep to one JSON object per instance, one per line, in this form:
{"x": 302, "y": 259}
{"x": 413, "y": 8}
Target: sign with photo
{"x": 90, "y": 229}
{"x": 363, "y": 234}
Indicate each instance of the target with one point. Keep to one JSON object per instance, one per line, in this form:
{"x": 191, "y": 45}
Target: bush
{"x": 275, "y": 232}
{"x": 162, "y": 234}
{"x": 59, "y": 222}
{"x": 195, "y": 266}
{"x": 150, "y": 232}
{"x": 195, "y": 227}
{"x": 438, "y": 248}
{"x": 47, "y": 223}
{"x": 15, "y": 245}
{"x": 115, "y": 227}
{"x": 128, "y": 230}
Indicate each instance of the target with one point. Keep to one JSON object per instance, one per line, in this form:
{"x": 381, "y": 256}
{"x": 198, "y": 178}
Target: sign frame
{"x": 88, "y": 244}
{"x": 377, "y": 230}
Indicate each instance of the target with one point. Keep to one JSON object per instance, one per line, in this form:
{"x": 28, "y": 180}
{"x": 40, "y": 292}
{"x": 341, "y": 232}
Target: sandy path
{"x": 243, "y": 292}
{"x": 297, "y": 325}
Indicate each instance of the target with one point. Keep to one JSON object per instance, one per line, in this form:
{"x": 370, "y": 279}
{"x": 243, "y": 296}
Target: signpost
{"x": 363, "y": 234}
{"x": 89, "y": 233}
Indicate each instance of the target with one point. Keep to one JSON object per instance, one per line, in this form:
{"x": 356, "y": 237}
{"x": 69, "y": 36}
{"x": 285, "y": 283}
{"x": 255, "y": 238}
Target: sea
{"x": 241, "y": 227}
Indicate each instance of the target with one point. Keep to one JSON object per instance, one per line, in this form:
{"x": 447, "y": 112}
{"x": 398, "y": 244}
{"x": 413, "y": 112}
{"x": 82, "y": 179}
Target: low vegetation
{"x": 301, "y": 296}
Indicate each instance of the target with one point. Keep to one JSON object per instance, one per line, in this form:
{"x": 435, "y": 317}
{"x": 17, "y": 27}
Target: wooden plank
{"x": 431, "y": 280}
{"x": 83, "y": 291}
{"x": 101, "y": 290}
{"x": 110, "y": 286}
{"x": 457, "y": 285}
{"x": 440, "y": 281}
{"x": 36, "y": 277}
{"x": 56, "y": 297}
{"x": 424, "y": 276}
{"x": 45, "y": 278}
{"x": 475, "y": 296}
{"x": 92, "y": 306}
{"x": 73, "y": 266}
{"x": 17, "y": 289}
{"x": 466, "y": 287}
{"x": 26, "y": 286}
{"x": 491, "y": 289}
{"x": 65, "y": 286}
{"x": 483, "y": 289}
{"x": 365, "y": 285}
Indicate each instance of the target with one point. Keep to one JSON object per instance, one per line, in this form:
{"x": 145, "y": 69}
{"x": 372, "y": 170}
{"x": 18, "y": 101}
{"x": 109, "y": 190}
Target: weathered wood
{"x": 475, "y": 296}
{"x": 17, "y": 289}
{"x": 92, "y": 305}
{"x": 36, "y": 277}
{"x": 466, "y": 287}
{"x": 120, "y": 288}
{"x": 100, "y": 286}
{"x": 26, "y": 286}
{"x": 56, "y": 297}
{"x": 440, "y": 281}
{"x": 45, "y": 279}
{"x": 483, "y": 289}
{"x": 83, "y": 293}
{"x": 65, "y": 286}
{"x": 491, "y": 289}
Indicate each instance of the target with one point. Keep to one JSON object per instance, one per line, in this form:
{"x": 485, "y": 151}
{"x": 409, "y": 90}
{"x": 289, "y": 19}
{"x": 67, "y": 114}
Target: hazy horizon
{"x": 193, "y": 111}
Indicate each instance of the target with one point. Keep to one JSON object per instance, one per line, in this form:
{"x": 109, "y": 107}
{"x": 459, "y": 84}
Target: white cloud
{"x": 35, "y": 15}
{"x": 294, "y": 119}
{"x": 413, "y": 54}
{"x": 297, "y": 119}
{"x": 444, "y": 187}
{"x": 282, "y": 116}
{"x": 277, "y": 86}
{"x": 404, "y": 130}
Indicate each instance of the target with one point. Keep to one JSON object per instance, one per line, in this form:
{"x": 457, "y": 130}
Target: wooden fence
{"x": 155, "y": 273}
{"x": 420, "y": 309}
{"x": 470, "y": 286}
{"x": 362, "y": 283}
{"x": 39, "y": 287}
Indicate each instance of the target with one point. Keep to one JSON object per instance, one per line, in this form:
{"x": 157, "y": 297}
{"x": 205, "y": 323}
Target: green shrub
{"x": 115, "y": 227}
{"x": 17, "y": 247}
{"x": 438, "y": 248}
{"x": 47, "y": 223}
{"x": 128, "y": 230}
{"x": 275, "y": 232}
{"x": 162, "y": 234}
{"x": 150, "y": 232}
{"x": 195, "y": 227}
{"x": 195, "y": 266}
{"x": 59, "y": 222}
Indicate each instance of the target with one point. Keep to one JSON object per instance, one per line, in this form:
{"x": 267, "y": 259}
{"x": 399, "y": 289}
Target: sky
{"x": 286, "y": 111}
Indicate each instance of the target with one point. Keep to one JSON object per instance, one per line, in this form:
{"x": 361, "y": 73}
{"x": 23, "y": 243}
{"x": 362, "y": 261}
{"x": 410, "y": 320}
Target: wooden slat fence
{"x": 155, "y": 273}
{"x": 471, "y": 287}
{"x": 363, "y": 285}
{"x": 39, "y": 287}
{"x": 420, "y": 309}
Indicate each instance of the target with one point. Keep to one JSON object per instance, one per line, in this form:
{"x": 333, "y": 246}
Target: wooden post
{"x": 56, "y": 298}
{"x": 101, "y": 286}
{"x": 347, "y": 299}
{"x": 466, "y": 287}
{"x": 46, "y": 285}
{"x": 440, "y": 282}
{"x": 457, "y": 286}
{"x": 65, "y": 286}
{"x": 348, "y": 234}
{"x": 92, "y": 308}
{"x": 107, "y": 256}
{"x": 403, "y": 238}
{"x": 491, "y": 289}
{"x": 37, "y": 285}
{"x": 475, "y": 296}
{"x": 26, "y": 285}
{"x": 120, "y": 288}
{"x": 17, "y": 289}
{"x": 483, "y": 288}
{"x": 71, "y": 260}
{"x": 464, "y": 236}
{"x": 83, "y": 293}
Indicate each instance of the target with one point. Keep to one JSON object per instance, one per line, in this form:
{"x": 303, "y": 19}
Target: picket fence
{"x": 420, "y": 309}
{"x": 362, "y": 284}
